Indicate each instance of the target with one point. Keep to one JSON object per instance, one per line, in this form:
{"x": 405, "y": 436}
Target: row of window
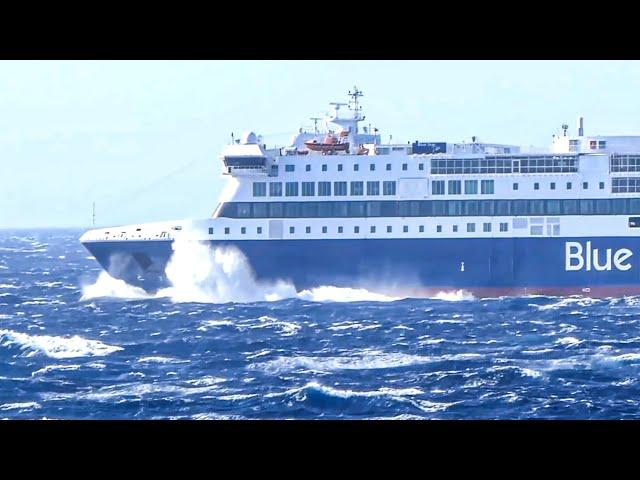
{"x": 625, "y": 185}
{"x": 539, "y": 164}
{"x": 356, "y": 167}
{"x": 454, "y": 187}
{"x": 471, "y": 228}
{"x": 624, "y": 163}
{"x": 324, "y": 188}
{"x": 430, "y": 208}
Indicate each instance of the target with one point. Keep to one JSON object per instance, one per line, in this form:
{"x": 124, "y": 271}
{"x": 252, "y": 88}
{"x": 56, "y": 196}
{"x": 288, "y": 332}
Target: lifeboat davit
{"x": 329, "y": 145}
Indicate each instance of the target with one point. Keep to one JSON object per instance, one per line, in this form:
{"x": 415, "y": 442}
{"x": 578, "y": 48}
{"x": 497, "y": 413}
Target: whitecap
{"x": 20, "y": 406}
{"x": 329, "y": 293}
{"x": 454, "y": 296}
{"x": 56, "y": 347}
{"x": 160, "y": 359}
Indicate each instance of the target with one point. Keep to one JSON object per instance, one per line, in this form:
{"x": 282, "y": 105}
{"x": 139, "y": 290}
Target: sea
{"x": 217, "y": 344}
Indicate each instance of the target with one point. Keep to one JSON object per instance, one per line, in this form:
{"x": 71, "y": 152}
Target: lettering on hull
{"x": 578, "y": 257}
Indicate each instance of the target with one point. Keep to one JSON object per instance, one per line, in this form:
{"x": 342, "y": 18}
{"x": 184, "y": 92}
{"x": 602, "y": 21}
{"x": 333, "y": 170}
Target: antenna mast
{"x": 315, "y": 123}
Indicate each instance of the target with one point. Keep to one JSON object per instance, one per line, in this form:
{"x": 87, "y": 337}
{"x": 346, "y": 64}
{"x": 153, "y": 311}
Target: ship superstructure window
{"x": 292, "y": 229}
{"x": 536, "y": 186}
{"x": 454, "y": 228}
{"x": 243, "y": 230}
{"x": 388, "y": 166}
{"x": 504, "y": 227}
{"x": 602, "y": 144}
{"x": 373, "y": 229}
{"x": 339, "y": 189}
{"x": 259, "y": 230}
{"x": 339, "y": 167}
{"x": 372, "y": 166}
{"x": 307, "y": 229}
{"x": 227, "y": 230}
{"x": 568, "y": 185}
{"x": 439, "y": 228}
{"x": 291, "y": 189}
{"x": 308, "y": 168}
{"x": 625, "y": 163}
{"x": 356, "y": 229}
{"x": 486, "y": 227}
{"x": 308, "y": 189}
{"x": 625, "y": 185}
{"x": 439, "y": 208}
{"x": 601, "y": 185}
{"x": 324, "y": 189}
{"x": 389, "y": 187}
{"x": 486, "y": 187}
{"x": 275, "y": 189}
{"x": 324, "y": 167}
{"x": 259, "y": 189}
{"x": 421, "y": 228}
{"x": 471, "y": 227}
{"x": 324, "y": 229}
{"x": 552, "y": 185}
{"x": 496, "y": 164}
{"x": 389, "y": 229}
{"x": 421, "y": 166}
{"x": 210, "y": 231}
{"x": 289, "y": 168}
{"x": 455, "y": 187}
{"x": 373, "y": 188}
{"x": 585, "y": 185}
{"x": 339, "y": 229}
{"x": 405, "y": 229}
{"x": 357, "y": 188}
{"x": 634, "y": 222}
{"x": 356, "y": 167}
{"x": 515, "y": 186}
{"x": 437, "y": 187}
{"x": 404, "y": 166}
{"x": 470, "y": 187}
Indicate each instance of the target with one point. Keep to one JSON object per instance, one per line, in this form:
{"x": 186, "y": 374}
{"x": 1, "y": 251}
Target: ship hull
{"x": 482, "y": 267}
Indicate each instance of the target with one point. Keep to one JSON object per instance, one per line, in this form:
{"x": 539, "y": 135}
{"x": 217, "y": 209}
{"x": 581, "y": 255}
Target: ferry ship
{"x": 340, "y": 207}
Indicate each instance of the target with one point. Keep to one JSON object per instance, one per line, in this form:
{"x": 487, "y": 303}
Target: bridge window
{"x": 291, "y": 189}
{"x": 275, "y": 189}
{"x": 259, "y": 189}
{"x": 437, "y": 187}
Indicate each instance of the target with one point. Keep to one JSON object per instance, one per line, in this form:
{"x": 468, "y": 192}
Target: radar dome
{"x": 249, "y": 138}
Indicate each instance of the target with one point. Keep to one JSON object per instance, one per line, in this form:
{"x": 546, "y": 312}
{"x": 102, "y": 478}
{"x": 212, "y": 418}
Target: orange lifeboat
{"x": 330, "y": 144}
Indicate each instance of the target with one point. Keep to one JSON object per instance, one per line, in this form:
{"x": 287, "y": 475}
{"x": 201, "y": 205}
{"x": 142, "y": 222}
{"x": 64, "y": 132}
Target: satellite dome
{"x": 249, "y": 138}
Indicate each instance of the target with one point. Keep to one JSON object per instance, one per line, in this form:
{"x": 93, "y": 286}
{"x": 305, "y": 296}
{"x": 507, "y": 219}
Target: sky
{"x": 142, "y": 139}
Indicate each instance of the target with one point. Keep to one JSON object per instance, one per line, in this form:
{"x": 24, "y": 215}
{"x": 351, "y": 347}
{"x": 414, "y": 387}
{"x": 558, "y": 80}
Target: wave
{"x": 455, "y": 296}
{"x": 107, "y": 286}
{"x": 56, "y": 347}
{"x": 343, "y": 294}
{"x": 20, "y": 406}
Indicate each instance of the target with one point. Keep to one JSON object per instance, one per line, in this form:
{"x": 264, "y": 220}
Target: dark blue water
{"x": 65, "y": 355}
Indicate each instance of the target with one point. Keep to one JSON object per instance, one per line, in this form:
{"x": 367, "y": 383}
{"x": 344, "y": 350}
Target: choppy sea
{"x": 77, "y": 344}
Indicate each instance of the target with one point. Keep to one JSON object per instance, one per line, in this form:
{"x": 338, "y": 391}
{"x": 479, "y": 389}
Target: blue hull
{"x": 495, "y": 266}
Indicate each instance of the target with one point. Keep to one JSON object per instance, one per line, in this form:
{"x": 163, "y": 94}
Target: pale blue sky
{"x": 142, "y": 138}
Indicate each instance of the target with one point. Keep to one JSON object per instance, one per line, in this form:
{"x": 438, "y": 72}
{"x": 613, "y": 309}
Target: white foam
{"x": 56, "y": 347}
{"x": 339, "y": 294}
{"x": 51, "y": 368}
{"x": 346, "y": 393}
{"x": 454, "y": 296}
{"x": 20, "y": 406}
{"x": 569, "y": 341}
{"x": 107, "y": 286}
{"x": 160, "y": 359}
